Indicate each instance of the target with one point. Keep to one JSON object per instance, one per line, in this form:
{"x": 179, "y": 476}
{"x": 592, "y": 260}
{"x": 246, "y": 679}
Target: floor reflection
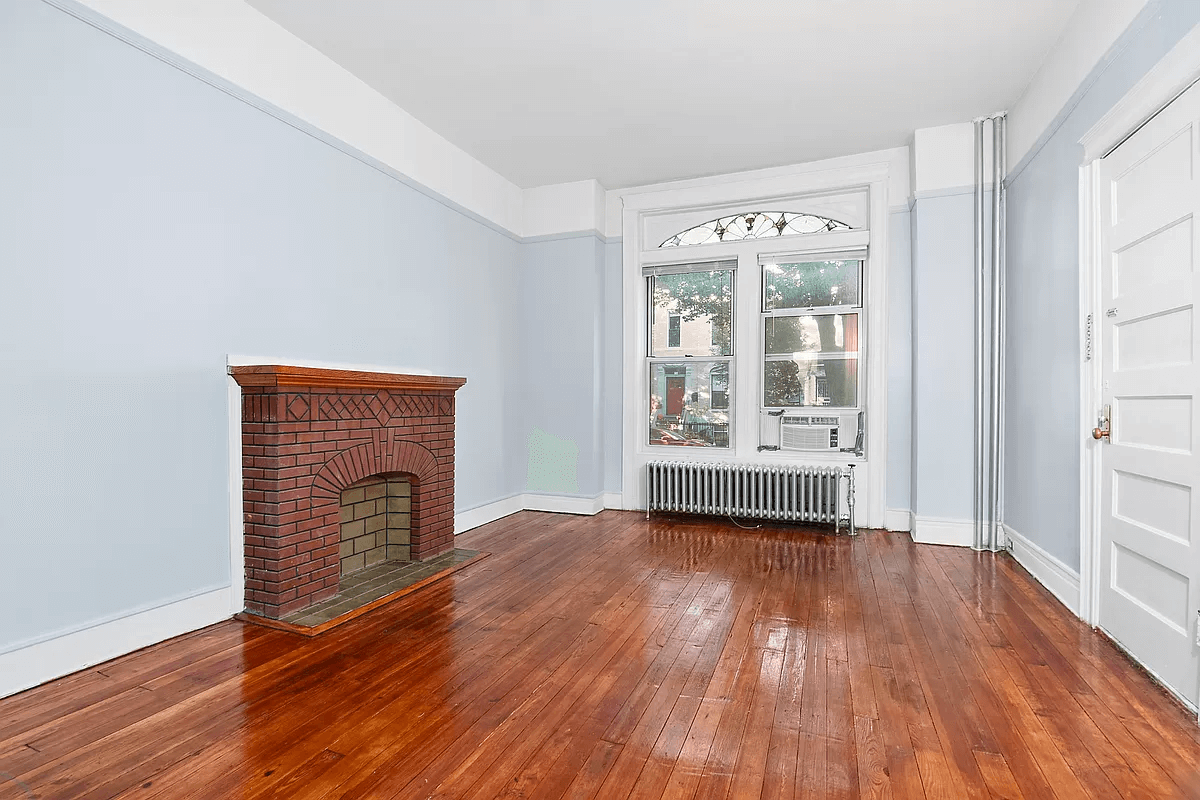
{"x": 618, "y": 657}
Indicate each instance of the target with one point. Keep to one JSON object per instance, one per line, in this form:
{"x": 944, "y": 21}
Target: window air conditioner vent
{"x": 810, "y": 420}
{"x": 808, "y": 436}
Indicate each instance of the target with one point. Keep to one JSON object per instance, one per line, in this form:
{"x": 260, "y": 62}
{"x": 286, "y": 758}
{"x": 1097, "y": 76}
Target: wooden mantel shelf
{"x": 277, "y": 375}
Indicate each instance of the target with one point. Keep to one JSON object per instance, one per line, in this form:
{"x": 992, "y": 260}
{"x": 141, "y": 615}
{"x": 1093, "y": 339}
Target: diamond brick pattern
{"x": 298, "y": 406}
{"x": 415, "y": 407}
{"x": 296, "y": 464}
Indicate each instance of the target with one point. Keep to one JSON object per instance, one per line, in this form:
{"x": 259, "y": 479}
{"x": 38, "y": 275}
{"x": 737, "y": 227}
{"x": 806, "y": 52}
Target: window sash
{"x": 650, "y": 273}
{"x": 720, "y": 432}
{"x": 856, "y": 254}
{"x": 815, "y": 356}
{"x": 720, "y": 265}
{"x": 856, "y": 356}
{"x": 853, "y": 358}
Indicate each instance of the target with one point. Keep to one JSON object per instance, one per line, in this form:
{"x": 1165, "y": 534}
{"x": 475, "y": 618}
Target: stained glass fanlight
{"x": 755, "y": 225}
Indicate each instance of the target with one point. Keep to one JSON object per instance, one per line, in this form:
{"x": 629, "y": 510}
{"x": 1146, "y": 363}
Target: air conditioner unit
{"x": 809, "y": 432}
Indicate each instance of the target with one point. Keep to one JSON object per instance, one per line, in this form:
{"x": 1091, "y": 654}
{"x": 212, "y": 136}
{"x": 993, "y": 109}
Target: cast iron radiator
{"x": 789, "y": 493}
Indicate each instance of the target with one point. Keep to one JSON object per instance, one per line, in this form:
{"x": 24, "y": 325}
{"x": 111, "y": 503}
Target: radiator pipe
{"x": 850, "y": 502}
{"x": 978, "y": 487}
{"x": 995, "y": 540}
{"x": 989, "y": 340}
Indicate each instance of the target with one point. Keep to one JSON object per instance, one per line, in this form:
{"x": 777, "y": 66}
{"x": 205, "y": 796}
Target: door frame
{"x": 1166, "y": 81}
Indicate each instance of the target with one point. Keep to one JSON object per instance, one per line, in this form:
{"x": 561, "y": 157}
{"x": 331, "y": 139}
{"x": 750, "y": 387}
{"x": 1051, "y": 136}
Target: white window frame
{"x": 684, "y": 267}
{"x": 788, "y": 192}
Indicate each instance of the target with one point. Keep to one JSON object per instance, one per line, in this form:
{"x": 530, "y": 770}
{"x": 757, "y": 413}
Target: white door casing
{"x": 1149, "y": 473}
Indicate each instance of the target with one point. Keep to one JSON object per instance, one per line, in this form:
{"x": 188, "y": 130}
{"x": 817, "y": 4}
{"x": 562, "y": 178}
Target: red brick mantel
{"x": 309, "y": 433}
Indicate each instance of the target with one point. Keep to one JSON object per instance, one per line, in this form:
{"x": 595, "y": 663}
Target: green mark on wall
{"x": 553, "y": 463}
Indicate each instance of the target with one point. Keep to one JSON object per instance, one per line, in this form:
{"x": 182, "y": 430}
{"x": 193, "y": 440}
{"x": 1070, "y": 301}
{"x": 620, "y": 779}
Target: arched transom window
{"x": 755, "y": 225}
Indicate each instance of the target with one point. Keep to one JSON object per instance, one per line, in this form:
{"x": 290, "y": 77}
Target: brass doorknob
{"x": 1099, "y": 433}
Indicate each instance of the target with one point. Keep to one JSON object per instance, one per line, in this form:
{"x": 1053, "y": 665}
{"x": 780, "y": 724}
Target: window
{"x": 690, "y": 350}
{"x": 820, "y": 370}
{"x": 719, "y": 385}
{"x": 754, "y": 225}
{"x": 810, "y": 316}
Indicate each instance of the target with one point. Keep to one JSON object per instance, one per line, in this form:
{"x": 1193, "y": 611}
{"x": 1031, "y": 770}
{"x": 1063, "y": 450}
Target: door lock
{"x": 1103, "y": 429}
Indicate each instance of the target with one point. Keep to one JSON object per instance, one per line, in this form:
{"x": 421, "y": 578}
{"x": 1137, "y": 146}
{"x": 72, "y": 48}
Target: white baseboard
{"x": 564, "y": 504}
{"x": 895, "y": 519}
{"x": 557, "y": 503}
{"x": 46, "y": 660}
{"x": 489, "y": 512}
{"x": 1057, "y": 577}
{"x": 935, "y": 530}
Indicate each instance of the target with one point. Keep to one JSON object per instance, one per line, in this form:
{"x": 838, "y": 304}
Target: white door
{"x": 1150, "y": 471}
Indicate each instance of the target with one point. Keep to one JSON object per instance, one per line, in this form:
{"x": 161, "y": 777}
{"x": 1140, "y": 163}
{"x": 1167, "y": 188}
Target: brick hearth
{"x": 308, "y": 434}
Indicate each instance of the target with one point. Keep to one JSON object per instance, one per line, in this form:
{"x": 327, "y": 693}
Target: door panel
{"x": 1150, "y": 468}
{"x": 1153, "y": 340}
{"x": 1158, "y": 506}
{"x": 1160, "y": 258}
{"x": 1156, "y": 174}
{"x": 1160, "y": 590}
{"x": 1159, "y": 423}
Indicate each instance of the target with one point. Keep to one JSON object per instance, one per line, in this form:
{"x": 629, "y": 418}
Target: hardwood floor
{"x": 611, "y": 657}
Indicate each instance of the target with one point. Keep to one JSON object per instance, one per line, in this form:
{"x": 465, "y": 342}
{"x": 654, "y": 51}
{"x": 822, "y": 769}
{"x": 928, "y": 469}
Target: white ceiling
{"x": 630, "y": 93}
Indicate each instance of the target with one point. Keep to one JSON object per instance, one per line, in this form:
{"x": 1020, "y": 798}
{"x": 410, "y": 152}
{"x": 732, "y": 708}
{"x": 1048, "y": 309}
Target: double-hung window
{"x": 691, "y": 351}
{"x": 811, "y": 314}
{"x": 754, "y": 322}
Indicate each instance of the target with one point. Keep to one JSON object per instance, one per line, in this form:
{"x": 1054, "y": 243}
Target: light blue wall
{"x": 561, "y": 349}
{"x": 614, "y": 354}
{"x": 914, "y": 489}
{"x": 943, "y": 397}
{"x": 149, "y": 225}
{"x": 570, "y": 351}
{"x": 1042, "y": 476}
{"x": 899, "y": 379}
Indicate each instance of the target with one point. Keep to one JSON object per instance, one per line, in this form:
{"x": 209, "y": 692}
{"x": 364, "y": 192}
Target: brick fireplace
{"x": 311, "y": 438}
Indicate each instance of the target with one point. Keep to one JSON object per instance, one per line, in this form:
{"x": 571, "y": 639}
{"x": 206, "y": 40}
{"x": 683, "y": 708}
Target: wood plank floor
{"x": 614, "y": 657}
